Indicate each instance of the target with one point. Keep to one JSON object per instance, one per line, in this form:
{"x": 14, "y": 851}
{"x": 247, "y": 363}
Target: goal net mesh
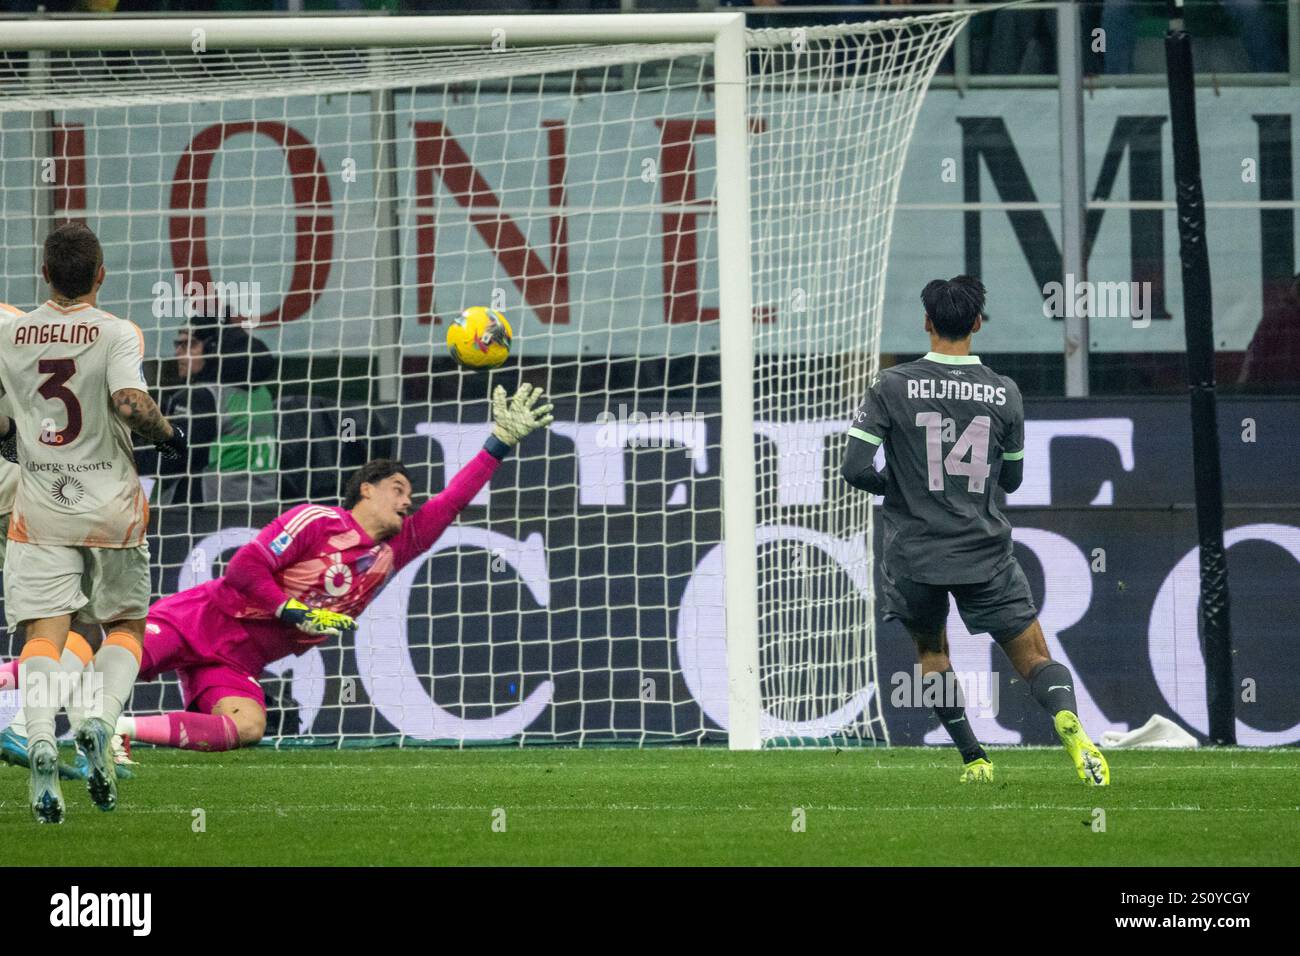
{"x": 292, "y": 230}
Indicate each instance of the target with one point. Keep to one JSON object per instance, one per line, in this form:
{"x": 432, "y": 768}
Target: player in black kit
{"x": 953, "y": 430}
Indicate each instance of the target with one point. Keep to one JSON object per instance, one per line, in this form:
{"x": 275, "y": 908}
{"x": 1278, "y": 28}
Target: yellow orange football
{"x": 480, "y": 338}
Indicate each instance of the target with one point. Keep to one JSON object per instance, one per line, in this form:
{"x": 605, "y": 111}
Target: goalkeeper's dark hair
{"x": 72, "y": 258}
{"x": 371, "y": 473}
{"x": 953, "y": 305}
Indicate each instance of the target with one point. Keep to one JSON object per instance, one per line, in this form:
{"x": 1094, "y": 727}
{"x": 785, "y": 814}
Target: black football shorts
{"x": 1001, "y": 607}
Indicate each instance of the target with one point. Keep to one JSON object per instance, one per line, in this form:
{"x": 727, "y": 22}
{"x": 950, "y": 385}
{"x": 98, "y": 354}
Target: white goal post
{"x": 688, "y": 223}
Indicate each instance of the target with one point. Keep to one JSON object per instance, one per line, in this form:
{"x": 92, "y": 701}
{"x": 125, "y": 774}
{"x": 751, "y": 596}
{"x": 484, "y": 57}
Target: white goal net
{"x": 292, "y": 228}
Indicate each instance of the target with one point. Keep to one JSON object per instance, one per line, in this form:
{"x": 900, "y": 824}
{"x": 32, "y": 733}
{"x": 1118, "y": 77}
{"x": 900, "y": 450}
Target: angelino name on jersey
{"x": 961, "y": 391}
{"x": 56, "y": 332}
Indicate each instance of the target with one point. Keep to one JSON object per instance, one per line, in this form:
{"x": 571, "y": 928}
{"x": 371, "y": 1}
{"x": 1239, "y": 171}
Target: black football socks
{"x": 1053, "y": 687}
{"x": 952, "y": 714}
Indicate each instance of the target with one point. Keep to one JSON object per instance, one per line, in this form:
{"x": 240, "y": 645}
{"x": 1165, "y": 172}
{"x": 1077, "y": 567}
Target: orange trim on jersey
{"x": 77, "y": 644}
{"x": 142, "y": 519}
{"x": 127, "y": 640}
{"x": 130, "y": 532}
{"x": 18, "y": 532}
{"x": 11, "y": 309}
{"x": 39, "y": 647}
{"x": 58, "y": 308}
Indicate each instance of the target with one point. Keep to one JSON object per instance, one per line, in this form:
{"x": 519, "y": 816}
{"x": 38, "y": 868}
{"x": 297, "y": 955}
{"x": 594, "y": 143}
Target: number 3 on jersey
{"x": 53, "y": 388}
{"x": 974, "y": 440}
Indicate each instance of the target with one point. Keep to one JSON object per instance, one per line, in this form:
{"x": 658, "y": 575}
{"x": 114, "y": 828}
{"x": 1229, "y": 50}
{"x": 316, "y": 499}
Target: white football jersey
{"x": 8, "y": 486}
{"x": 8, "y": 470}
{"x": 59, "y": 368}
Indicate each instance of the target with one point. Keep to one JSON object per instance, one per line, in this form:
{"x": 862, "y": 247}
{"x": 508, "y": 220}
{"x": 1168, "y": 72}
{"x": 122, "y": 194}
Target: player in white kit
{"x": 77, "y": 652}
{"x": 73, "y": 376}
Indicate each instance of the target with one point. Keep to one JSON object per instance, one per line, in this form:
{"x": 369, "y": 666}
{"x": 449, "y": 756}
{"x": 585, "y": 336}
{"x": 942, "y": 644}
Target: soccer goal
{"x": 686, "y": 222}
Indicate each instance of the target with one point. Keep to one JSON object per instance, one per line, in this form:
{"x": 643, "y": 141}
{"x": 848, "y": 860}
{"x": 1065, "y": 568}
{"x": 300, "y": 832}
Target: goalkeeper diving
{"x": 303, "y": 580}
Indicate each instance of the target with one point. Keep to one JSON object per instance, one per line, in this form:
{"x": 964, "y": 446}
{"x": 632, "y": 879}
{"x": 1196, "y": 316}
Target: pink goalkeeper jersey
{"x": 317, "y": 554}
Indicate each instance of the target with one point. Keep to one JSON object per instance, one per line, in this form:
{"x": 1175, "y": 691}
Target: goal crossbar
{"x": 241, "y": 33}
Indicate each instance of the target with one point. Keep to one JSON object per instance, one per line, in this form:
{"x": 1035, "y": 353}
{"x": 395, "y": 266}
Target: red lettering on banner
{"x": 545, "y": 291}
{"x": 677, "y": 176}
{"x": 681, "y": 260}
{"x": 69, "y": 142}
{"x": 313, "y": 228}
{"x": 556, "y": 165}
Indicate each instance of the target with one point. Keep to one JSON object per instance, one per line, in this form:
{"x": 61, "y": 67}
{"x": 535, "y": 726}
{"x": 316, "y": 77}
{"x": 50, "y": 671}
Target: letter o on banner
{"x": 384, "y": 655}
{"x": 313, "y": 220}
{"x": 1175, "y": 648}
{"x": 702, "y": 631}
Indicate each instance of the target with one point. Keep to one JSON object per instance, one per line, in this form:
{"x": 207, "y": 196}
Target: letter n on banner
{"x": 545, "y": 291}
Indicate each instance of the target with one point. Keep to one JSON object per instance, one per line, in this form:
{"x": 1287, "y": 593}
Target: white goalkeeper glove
{"x": 518, "y": 418}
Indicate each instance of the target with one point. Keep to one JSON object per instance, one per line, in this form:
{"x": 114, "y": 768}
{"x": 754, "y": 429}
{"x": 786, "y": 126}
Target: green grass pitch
{"x": 669, "y": 806}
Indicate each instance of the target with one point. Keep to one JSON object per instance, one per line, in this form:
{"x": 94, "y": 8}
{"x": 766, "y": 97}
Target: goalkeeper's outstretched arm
{"x": 513, "y": 420}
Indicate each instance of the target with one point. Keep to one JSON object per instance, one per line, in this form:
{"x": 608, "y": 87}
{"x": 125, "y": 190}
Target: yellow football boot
{"x": 1088, "y": 760}
{"x": 977, "y": 771}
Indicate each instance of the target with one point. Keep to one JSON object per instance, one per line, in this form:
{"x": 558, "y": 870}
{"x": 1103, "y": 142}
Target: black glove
{"x": 175, "y": 447}
{"x": 9, "y": 443}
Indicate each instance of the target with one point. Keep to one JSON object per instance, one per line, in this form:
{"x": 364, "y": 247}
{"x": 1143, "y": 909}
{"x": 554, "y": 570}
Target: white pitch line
{"x": 286, "y": 809}
{"x": 461, "y": 768}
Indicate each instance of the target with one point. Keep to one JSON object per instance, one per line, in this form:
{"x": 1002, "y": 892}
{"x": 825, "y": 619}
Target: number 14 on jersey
{"x": 974, "y": 440}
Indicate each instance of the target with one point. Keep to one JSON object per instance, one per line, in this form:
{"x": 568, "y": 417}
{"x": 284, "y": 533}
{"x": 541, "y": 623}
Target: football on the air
{"x": 480, "y": 338}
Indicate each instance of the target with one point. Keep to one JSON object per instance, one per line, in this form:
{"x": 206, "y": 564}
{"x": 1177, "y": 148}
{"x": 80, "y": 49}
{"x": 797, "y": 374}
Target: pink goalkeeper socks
{"x": 210, "y": 732}
{"x": 9, "y": 674}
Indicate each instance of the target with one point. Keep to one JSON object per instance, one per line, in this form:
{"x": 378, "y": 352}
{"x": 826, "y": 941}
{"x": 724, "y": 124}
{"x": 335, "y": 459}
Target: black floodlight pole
{"x": 1198, "y": 326}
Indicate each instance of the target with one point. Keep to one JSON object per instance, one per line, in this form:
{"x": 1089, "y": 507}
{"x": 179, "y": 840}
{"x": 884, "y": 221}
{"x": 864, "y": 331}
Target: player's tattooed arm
{"x": 142, "y": 415}
{"x": 8, "y": 439}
